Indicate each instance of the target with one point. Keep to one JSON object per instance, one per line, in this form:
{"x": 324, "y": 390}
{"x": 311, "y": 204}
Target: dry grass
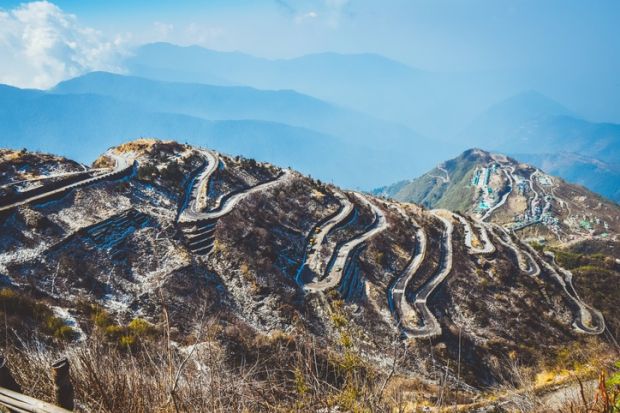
{"x": 164, "y": 377}
{"x": 138, "y": 145}
{"x": 293, "y": 375}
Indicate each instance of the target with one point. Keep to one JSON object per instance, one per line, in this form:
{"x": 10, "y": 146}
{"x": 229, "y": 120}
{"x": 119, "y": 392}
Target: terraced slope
{"x": 495, "y": 188}
{"x": 256, "y": 249}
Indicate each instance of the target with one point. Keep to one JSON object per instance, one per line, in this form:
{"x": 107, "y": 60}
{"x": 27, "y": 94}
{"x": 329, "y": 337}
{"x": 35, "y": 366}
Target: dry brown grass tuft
{"x": 282, "y": 373}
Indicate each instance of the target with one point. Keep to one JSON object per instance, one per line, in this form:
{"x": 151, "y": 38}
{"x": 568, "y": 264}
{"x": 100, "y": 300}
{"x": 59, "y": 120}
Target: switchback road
{"x": 429, "y": 325}
{"x": 341, "y": 260}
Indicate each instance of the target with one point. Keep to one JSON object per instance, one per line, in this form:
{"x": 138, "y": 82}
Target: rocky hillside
{"x": 161, "y": 239}
{"x": 495, "y": 188}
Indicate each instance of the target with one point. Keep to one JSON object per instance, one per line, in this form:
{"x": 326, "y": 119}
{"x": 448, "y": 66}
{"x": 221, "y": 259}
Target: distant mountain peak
{"x": 539, "y": 102}
{"x": 527, "y": 104}
{"x": 496, "y": 188}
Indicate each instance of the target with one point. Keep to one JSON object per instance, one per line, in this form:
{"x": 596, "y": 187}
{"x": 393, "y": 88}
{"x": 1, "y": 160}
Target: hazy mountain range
{"x": 234, "y": 103}
{"x": 360, "y": 120}
{"x": 83, "y": 116}
{"x": 436, "y": 104}
{"x": 366, "y": 82}
{"x": 538, "y": 130}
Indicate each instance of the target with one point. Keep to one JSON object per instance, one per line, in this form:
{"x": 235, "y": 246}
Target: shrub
{"x": 128, "y": 342}
{"x": 147, "y": 171}
{"x": 338, "y": 320}
{"x": 125, "y": 336}
{"x": 568, "y": 259}
{"x": 65, "y": 333}
{"x": 141, "y": 328}
{"x": 172, "y": 173}
{"x": 114, "y": 332}
{"x": 26, "y": 309}
{"x": 101, "y": 318}
{"x": 537, "y": 246}
{"x": 345, "y": 340}
{"x": 612, "y": 389}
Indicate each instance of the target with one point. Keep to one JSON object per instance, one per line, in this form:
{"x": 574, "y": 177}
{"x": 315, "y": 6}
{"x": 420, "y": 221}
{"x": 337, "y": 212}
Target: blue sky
{"x": 574, "y": 40}
{"x": 438, "y": 34}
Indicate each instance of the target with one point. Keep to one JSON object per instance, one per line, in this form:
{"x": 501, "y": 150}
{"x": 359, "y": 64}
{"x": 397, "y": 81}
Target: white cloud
{"x": 306, "y": 16}
{"x": 163, "y": 30}
{"x": 328, "y": 12}
{"x": 41, "y": 45}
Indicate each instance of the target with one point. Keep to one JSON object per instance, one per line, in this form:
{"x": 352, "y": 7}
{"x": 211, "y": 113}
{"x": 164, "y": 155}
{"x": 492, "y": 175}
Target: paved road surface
{"x": 200, "y": 185}
{"x": 122, "y": 163}
{"x": 488, "y": 246}
{"x": 531, "y": 180}
{"x": 60, "y": 175}
{"x": 443, "y": 179}
{"x": 314, "y": 261}
{"x": 430, "y": 326}
{"x": 338, "y": 267}
{"x": 231, "y": 202}
{"x": 503, "y": 199}
{"x": 590, "y": 320}
{"x": 397, "y": 298}
{"x": 525, "y": 260}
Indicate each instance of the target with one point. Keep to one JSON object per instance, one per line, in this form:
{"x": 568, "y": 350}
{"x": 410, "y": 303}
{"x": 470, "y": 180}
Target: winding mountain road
{"x": 525, "y": 260}
{"x": 397, "y": 299}
{"x": 488, "y": 247}
{"x": 341, "y": 256}
{"x": 590, "y": 320}
{"x": 443, "y": 179}
{"x": 504, "y": 197}
{"x": 59, "y": 175}
{"x": 199, "y": 227}
{"x": 122, "y": 164}
{"x": 199, "y": 185}
{"x": 429, "y": 325}
{"x": 232, "y": 202}
{"x": 533, "y": 201}
{"x": 314, "y": 261}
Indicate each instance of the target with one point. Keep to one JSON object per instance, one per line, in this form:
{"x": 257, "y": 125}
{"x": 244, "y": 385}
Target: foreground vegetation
{"x": 221, "y": 371}
{"x": 222, "y": 365}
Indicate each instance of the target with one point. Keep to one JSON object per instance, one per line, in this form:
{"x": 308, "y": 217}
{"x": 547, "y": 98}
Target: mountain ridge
{"x": 158, "y": 238}
{"x": 517, "y": 195}
{"x": 41, "y": 124}
{"x": 238, "y": 102}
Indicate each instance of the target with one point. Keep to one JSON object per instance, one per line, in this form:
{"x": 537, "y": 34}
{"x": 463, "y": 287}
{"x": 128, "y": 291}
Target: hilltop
{"x": 495, "y": 188}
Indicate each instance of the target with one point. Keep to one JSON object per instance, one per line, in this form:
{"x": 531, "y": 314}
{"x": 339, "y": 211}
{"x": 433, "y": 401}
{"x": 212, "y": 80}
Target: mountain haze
{"x": 128, "y": 107}
{"x": 533, "y": 128}
{"x": 243, "y": 103}
{"x": 435, "y": 104}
